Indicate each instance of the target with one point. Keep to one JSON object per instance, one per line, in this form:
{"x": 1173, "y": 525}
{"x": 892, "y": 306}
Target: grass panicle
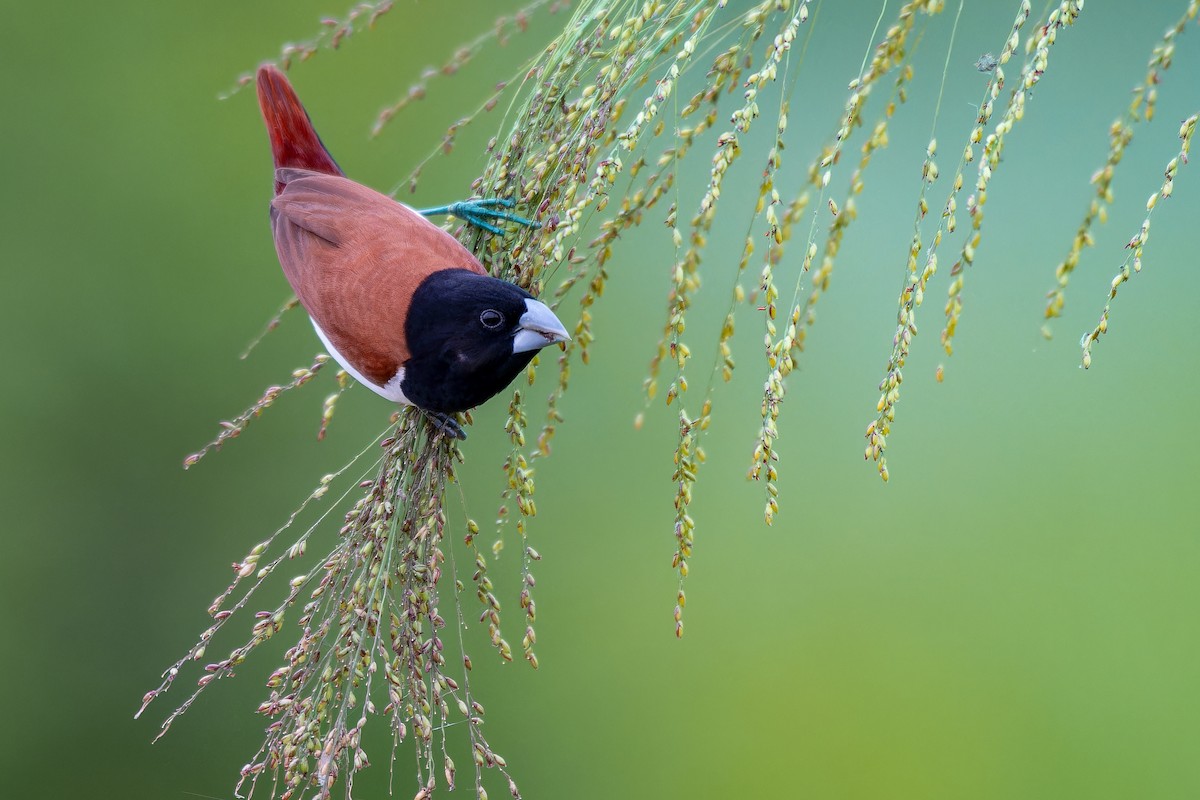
{"x": 372, "y": 627}
{"x": 333, "y": 31}
{"x": 231, "y": 429}
{"x": 890, "y": 55}
{"x": 1038, "y": 47}
{"x": 1133, "y": 262}
{"x": 1141, "y": 107}
{"x": 921, "y": 264}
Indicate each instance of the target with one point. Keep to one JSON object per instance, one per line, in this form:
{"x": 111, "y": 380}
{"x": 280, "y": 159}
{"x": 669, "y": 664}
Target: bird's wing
{"x": 354, "y": 257}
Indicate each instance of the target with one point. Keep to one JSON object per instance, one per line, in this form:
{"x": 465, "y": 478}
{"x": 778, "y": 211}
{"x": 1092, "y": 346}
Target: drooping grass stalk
{"x": 1133, "y": 262}
{"x": 231, "y": 429}
{"x": 333, "y": 31}
{"x": 913, "y": 293}
{"x": 371, "y": 644}
{"x": 890, "y": 55}
{"x": 566, "y": 155}
{"x": 1141, "y": 107}
{"x": 1035, "y": 66}
{"x": 916, "y": 281}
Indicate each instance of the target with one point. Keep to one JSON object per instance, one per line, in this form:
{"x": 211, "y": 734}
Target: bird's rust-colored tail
{"x": 294, "y": 141}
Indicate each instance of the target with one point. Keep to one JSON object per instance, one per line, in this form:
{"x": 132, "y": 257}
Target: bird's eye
{"x": 491, "y": 318}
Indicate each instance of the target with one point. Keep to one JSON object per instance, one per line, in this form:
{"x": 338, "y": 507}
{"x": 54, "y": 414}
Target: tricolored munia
{"x": 397, "y": 301}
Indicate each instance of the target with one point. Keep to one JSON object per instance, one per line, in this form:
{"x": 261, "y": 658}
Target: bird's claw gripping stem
{"x": 477, "y": 212}
{"x": 446, "y": 424}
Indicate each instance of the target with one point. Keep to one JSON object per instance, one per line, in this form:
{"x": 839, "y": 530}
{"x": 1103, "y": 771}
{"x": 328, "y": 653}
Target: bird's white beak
{"x": 538, "y": 327}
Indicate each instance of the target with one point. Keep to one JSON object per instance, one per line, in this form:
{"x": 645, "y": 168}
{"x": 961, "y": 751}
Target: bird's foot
{"x": 445, "y": 424}
{"x": 479, "y": 211}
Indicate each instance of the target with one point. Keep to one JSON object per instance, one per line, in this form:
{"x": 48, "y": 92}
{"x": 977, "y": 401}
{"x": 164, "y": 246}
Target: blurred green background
{"x": 1013, "y": 615}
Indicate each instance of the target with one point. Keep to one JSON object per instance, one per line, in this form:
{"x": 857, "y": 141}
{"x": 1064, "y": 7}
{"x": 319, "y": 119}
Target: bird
{"x": 398, "y": 302}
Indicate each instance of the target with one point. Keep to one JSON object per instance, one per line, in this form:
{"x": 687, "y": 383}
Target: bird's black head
{"x": 468, "y": 336}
